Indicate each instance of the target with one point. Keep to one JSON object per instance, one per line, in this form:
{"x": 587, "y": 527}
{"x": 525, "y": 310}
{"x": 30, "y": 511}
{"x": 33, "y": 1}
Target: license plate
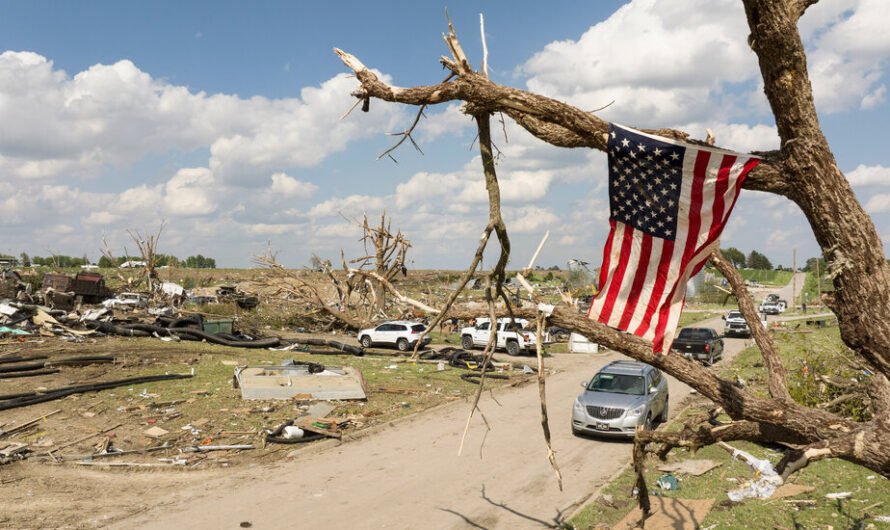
{"x": 602, "y": 426}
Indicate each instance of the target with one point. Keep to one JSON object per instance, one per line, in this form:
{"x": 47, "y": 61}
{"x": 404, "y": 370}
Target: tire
{"x": 648, "y": 425}
{"x": 402, "y": 344}
{"x": 663, "y": 417}
{"x": 466, "y": 342}
{"x": 366, "y": 341}
{"x": 513, "y": 348}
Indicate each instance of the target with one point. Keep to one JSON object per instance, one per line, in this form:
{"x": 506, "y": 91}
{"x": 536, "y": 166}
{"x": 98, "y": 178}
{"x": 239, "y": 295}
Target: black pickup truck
{"x": 703, "y": 344}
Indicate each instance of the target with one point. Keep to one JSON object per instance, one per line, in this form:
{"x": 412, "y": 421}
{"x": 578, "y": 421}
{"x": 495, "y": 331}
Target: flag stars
{"x": 644, "y": 182}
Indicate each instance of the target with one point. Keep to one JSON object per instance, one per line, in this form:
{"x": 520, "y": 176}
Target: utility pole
{"x": 818, "y": 282}
{"x": 793, "y": 275}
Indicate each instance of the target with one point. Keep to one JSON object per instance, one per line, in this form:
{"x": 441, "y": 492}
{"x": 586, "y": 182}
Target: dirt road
{"x": 410, "y": 476}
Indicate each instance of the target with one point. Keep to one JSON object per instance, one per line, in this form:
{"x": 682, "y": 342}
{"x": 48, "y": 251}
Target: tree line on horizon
{"x": 62, "y": 261}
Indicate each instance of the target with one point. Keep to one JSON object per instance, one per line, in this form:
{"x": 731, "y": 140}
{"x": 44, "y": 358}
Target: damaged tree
{"x": 148, "y": 249}
{"x": 387, "y": 259}
{"x": 353, "y": 297}
{"x": 803, "y": 170}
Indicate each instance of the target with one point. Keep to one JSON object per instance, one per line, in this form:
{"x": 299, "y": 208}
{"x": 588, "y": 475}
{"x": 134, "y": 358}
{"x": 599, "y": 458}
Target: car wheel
{"x": 402, "y": 344}
{"x": 366, "y": 341}
{"x": 663, "y": 417}
{"x": 648, "y": 425}
{"x": 466, "y": 342}
{"x": 512, "y": 348}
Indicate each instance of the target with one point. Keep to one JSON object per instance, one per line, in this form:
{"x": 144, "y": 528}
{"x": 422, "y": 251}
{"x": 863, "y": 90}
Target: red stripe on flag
{"x": 720, "y": 188}
{"x": 750, "y": 164}
{"x": 642, "y": 271}
{"x": 618, "y": 277}
{"x": 667, "y": 252}
{"x": 604, "y": 270}
{"x": 698, "y": 179}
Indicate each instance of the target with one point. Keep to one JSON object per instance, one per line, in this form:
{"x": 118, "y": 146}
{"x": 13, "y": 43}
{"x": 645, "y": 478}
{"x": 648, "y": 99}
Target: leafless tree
{"x": 148, "y": 249}
{"x": 354, "y": 296}
{"x": 803, "y": 170}
{"x": 385, "y": 255}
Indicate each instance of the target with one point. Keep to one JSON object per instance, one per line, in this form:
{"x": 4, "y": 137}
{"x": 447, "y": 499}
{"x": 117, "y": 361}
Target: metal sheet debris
{"x": 296, "y": 382}
{"x": 690, "y": 467}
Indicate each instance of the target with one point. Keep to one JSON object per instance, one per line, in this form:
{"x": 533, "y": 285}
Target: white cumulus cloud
{"x": 865, "y": 175}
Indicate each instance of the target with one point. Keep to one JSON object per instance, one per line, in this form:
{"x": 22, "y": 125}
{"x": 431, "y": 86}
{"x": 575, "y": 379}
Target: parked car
{"x": 774, "y": 299}
{"x": 127, "y": 301}
{"x": 702, "y": 344}
{"x": 770, "y": 308}
{"x": 512, "y": 335}
{"x": 737, "y": 326}
{"x": 400, "y": 333}
{"x": 620, "y": 397}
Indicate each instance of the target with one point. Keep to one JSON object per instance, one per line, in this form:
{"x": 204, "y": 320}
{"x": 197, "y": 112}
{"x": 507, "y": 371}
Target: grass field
{"x": 765, "y": 277}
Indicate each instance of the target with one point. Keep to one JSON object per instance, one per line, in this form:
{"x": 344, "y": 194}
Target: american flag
{"x": 669, "y": 202}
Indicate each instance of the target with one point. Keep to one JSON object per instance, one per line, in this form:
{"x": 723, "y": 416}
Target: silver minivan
{"x": 621, "y": 396}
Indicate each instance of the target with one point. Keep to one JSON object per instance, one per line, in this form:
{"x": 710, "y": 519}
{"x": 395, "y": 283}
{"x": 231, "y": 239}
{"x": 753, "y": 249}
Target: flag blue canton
{"x": 645, "y": 177}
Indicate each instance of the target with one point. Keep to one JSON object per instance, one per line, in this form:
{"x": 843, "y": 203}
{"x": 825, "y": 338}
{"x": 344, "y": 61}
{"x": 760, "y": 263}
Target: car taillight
{"x": 526, "y": 338}
{"x": 707, "y": 348}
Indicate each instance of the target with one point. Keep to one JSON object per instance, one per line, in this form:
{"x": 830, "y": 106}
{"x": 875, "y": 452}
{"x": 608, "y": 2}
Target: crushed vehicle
{"x": 127, "y": 301}
{"x": 230, "y": 294}
{"x": 402, "y": 334}
{"x": 89, "y": 286}
{"x": 511, "y": 335}
{"x": 701, "y": 344}
{"x": 202, "y": 299}
{"x": 620, "y": 397}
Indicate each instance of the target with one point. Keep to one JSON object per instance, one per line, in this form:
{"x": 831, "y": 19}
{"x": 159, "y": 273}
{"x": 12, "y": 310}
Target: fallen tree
{"x": 803, "y": 170}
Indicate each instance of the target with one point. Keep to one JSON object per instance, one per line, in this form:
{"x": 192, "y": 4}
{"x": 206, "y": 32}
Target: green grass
{"x": 394, "y": 389}
{"x": 688, "y": 318}
{"x": 820, "y": 350}
{"x": 765, "y": 277}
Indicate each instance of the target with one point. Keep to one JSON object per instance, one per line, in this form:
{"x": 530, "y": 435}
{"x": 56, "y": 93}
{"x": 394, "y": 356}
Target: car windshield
{"x": 734, "y": 314}
{"x": 694, "y": 334}
{"x": 418, "y": 328}
{"x": 617, "y": 384}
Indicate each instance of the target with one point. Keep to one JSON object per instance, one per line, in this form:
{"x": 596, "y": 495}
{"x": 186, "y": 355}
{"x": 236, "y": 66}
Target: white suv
{"x": 512, "y": 336}
{"x": 400, "y": 333}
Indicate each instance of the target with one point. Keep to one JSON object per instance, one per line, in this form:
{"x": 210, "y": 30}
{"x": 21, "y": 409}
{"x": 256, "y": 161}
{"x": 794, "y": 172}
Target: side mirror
{"x": 722, "y": 317}
{"x": 584, "y": 384}
{"x": 653, "y": 390}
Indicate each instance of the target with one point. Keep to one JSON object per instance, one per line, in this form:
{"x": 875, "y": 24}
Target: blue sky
{"x": 223, "y": 118}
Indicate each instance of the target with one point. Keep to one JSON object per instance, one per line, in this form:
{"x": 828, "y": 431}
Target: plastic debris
{"x": 839, "y": 495}
{"x": 668, "y": 482}
{"x": 765, "y": 481}
{"x": 292, "y": 432}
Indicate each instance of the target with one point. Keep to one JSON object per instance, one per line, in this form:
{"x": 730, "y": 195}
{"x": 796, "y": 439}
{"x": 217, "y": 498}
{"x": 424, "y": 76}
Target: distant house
{"x": 8, "y": 261}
